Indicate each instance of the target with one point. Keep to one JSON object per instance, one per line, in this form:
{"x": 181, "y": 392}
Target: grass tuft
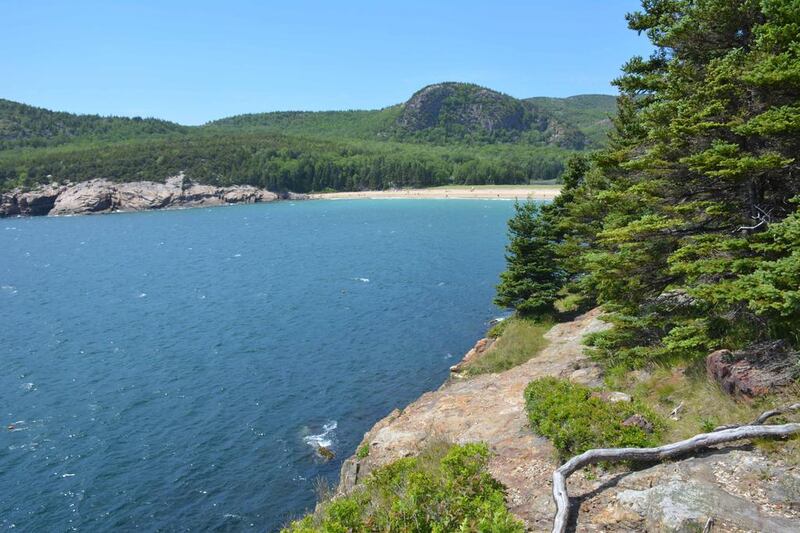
{"x": 518, "y": 340}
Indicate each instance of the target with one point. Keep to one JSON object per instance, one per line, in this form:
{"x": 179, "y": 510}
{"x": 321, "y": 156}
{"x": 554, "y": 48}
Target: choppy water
{"x": 174, "y": 370}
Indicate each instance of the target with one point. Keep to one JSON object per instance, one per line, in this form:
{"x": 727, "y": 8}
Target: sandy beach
{"x": 532, "y": 192}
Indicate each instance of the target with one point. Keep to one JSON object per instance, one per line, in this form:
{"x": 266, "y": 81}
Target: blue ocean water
{"x": 172, "y": 370}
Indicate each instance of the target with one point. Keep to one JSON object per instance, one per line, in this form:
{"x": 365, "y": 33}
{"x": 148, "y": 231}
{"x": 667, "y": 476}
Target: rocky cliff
{"x": 103, "y": 196}
{"x": 464, "y": 110}
{"x": 739, "y": 488}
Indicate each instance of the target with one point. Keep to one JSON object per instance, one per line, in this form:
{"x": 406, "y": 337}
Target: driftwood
{"x": 720, "y": 435}
{"x": 763, "y": 417}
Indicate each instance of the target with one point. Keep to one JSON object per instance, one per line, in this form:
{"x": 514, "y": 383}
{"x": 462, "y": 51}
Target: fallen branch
{"x": 763, "y": 417}
{"x": 698, "y": 442}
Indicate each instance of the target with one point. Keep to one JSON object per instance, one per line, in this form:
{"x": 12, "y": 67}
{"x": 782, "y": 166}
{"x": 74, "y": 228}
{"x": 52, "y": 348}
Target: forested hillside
{"x": 24, "y": 125}
{"x": 446, "y": 133}
{"x": 686, "y": 228}
{"x": 588, "y": 113}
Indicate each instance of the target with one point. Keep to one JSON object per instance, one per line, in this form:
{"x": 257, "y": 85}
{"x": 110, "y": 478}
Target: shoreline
{"x": 450, "y": 193}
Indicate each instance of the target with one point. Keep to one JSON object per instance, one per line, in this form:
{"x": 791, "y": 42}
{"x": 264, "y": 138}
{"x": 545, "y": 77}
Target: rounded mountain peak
{"x": 464, "y": 105}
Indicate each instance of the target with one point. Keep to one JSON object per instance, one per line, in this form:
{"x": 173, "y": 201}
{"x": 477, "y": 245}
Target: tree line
{"x": 280, "y": 163}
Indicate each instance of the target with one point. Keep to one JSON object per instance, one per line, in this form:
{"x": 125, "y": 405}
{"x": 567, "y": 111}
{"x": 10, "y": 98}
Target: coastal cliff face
{"x": 103, "y": 196}
{"x": 740, "y": 488}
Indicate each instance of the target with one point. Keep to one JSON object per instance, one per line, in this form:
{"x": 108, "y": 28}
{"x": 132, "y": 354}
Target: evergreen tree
{"x": 682, "y": 227}
{"x": 532, "y": 280}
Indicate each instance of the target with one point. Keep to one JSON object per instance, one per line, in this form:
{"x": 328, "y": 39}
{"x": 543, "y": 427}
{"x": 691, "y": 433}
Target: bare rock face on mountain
{"x": 467, "y": 105}
{"x": 464, "y": 110}
{"x": 102, "y": 196}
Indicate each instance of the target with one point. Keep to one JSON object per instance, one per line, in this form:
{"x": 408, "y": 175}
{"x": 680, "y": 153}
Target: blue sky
{"x": 194, "y": 61}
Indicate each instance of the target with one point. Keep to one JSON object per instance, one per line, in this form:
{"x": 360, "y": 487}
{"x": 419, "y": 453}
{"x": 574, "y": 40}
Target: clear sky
{"x": 194, "y": 61}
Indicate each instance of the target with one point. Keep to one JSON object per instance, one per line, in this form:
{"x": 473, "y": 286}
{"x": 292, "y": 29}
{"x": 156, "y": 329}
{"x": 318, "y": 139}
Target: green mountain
{"x": 589, "y": 113}
{"x": 25, "y": 125}
{"x": 447, "y": 133}
{"x": 452, "y": 113}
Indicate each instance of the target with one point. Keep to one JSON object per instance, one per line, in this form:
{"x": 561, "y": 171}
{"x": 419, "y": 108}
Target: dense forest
{"x": 449, "y": 133}
{"x": 686, "y": 227}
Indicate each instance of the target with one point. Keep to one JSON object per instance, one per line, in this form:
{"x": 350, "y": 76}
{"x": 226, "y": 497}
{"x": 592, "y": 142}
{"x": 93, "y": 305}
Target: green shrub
{"x": 445, "y": 489}
{"x": 363, "y": 451}
{"x": 575, "y": 421}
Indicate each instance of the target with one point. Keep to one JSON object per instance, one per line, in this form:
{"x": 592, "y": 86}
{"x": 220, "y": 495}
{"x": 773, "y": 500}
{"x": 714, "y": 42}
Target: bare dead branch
{"x": 762, "y": 217}
{"x": 661, "y": 453}
{"x": 763, "y": 417}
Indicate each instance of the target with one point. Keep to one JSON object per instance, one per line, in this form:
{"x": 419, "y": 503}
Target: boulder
{"x": 640, "y": 422}
{"x": 142, "y": 195}
{"x": 756, "y": 370}
{"x": 8, "y": 205}
{"x": 247, "y": 195}
{"x": 200, "y": 195}
{"x": 86, "y": 197}
{"x": 326, "y": 453}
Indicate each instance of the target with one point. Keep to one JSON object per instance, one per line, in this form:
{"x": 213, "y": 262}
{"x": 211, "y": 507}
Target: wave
{"x": 324, "y": 439}
{"x": 10, "y": 289}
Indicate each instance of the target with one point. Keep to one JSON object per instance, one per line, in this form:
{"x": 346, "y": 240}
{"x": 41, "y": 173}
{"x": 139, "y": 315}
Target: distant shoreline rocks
{"x": 104, "y": 196}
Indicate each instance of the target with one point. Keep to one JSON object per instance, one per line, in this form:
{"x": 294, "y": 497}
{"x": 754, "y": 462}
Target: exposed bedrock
{"x": 103, "y": 196}
{"x": 738, "y": 488}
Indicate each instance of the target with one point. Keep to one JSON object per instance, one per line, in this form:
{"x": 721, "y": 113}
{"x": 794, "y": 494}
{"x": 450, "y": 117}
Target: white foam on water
{"x": 10, "y": 289}
{"x": 19, "y": 425}
{"x": 362, "y": 280}
{"x": 324, "y": 439}
{"x": 142, "y": 295}
{"x": 67, "y": 475}
{"x": 27, "y": 386}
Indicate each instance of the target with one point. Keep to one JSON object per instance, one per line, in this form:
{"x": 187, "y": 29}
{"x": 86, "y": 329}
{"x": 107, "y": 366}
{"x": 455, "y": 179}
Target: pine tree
{"x": 676, "y": 228}
{"x": 532, "y": 280}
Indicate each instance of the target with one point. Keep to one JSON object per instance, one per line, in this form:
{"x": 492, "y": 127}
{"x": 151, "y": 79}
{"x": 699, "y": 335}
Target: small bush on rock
{"x": 576, "y": 421}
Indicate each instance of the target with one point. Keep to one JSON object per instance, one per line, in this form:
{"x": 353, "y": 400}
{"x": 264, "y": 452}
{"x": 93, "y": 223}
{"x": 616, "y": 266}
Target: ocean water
{"x": 174, "y": 370}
